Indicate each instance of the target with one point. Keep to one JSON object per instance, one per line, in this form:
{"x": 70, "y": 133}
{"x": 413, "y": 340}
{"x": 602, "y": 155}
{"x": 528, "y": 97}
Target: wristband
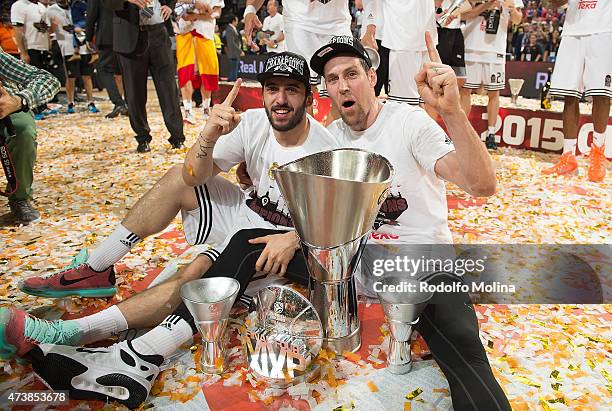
{"x": 249, "y": 9}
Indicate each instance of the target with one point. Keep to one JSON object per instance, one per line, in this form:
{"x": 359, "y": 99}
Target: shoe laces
{"x": 79, "y": 259}
{"x": 597, "y": 156}
{"x": 48, "y": 332}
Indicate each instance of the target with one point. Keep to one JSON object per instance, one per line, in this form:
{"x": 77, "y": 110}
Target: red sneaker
{"x": 597, "y": 163}
{"x": 567, "y": 164}
{"x": 78, "y": 279}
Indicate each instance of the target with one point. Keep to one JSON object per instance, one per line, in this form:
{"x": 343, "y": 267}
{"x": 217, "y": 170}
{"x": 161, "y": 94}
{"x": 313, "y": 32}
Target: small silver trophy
{"x": 374, "y": 57}
{"x": 210, "y": 301}
{"x": 455, "y": 9}
{"x": 402, "y": 301}
{"x": 516, "y": 84}
{"x": 283, "y": 337}
{"x": 333, "y": 198}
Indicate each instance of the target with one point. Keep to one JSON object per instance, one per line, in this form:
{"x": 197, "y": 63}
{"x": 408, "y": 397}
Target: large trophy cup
{"x": 210, "y": 301}
{"x": 333, "y": 198}
{"x": 402, "y": 310}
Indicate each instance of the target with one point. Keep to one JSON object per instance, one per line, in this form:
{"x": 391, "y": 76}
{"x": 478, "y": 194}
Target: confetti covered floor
{"x": 545, "y": 357}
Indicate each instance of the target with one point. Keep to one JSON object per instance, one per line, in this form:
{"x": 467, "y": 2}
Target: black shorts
{"x": 80, "y": 67}
{"x": 452, "y": 49}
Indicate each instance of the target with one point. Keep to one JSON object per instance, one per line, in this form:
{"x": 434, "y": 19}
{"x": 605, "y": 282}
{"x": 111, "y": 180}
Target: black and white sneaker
{"x": 490, "y": 142}
{"x": 116, "y": 373}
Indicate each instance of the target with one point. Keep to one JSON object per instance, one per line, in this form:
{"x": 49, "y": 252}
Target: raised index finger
{"x": 434, "y": 57}
{"x": 229, "y": 100}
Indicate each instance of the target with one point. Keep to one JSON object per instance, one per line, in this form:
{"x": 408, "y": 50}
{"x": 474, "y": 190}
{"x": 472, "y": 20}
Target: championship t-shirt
{"x": 65, "y": 39}
{"x": 587, "y": 17}
{"x": 478, "y": 41}
{"x": 253, "y": 141}
{"x": 330, "y": 17}
{"x": 207, "y": 27}
{"x": 405, "y": 23}
{"x": 415, "y": 210}
{"x": 26, "y": 13}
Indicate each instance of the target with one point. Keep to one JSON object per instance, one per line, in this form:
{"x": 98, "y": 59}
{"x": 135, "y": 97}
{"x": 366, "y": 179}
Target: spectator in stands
{"x": 517, "y": 42}
{"x": 532, "y": 51}
{"x": 552, "y": 47}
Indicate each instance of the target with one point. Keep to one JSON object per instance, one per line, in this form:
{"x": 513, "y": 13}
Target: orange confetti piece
{"x": 372, "y": 386}
{"x": 190, "y": 170}
{"x": 351, "y": 356}
{"x": 407, "y": 406}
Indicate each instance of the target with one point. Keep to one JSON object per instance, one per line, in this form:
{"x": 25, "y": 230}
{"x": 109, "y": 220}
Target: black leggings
{"x": 450, "y": 329}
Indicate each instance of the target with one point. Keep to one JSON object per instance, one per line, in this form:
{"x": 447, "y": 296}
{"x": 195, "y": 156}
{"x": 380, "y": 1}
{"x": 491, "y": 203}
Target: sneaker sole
{"x": 7, "y": 351}
{"x": 84, "y": 292}
{"x": 59, "y": 371}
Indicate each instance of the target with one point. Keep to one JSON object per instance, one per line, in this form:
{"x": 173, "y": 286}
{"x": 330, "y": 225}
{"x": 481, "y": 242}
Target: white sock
{"x": 188, "y": 105}
{"x": 205, "y": 103}
{"x": 569, "y": 145}
{"x": 164, "y": 339}
{"x": 104, "y": 324}
{"x": 492, "y": 130}
{"x": 117, "y": 245}
{"x": 599, "y": 139}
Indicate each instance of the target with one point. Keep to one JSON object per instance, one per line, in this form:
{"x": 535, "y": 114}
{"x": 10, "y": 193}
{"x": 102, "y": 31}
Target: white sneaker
{"x": 189, "y": 118}
{"x": 117, "y": 373}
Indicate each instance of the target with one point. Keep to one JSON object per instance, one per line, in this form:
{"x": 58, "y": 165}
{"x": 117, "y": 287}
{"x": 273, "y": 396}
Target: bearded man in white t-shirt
{"x": 414, "y": 215}
{"x": 213, "y": 210}
{"x": 584, "y": 67}
{"x": 485, "y": 55}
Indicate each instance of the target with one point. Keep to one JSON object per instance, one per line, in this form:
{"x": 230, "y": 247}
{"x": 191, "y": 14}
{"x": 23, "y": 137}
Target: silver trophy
{"x": 374, "y": 57}
{"x": 402, "y": 302}
{"x": 455, "y": 9}
{"x": 283, "y": 337}
{"x": 333, "y": 198}
{"x": 209, "y": 301}
{"x": 516, "y": 84}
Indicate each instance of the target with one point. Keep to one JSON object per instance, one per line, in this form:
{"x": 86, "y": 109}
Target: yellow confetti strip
{"x": 413, "y": 394}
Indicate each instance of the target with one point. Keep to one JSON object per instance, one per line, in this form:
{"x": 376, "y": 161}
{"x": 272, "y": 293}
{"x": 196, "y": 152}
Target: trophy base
{"x": 284, "y": 384}
{"x": 351, "y": 342}
{"x": 399, "y": 369}
{"x": 214, "y": 360}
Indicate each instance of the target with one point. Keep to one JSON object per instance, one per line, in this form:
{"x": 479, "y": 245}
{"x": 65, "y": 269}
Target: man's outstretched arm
{"x": 469, "y": 166}
{"x": 199, "y": 165}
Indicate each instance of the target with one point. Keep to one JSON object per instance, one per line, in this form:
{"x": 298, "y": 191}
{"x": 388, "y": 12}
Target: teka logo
{"x": 587, "y": 4}
{"x": 608, "y": 80}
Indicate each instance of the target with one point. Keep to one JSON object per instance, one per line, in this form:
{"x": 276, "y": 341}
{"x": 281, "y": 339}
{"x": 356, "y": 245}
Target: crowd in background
{"x": 538, "y": 37}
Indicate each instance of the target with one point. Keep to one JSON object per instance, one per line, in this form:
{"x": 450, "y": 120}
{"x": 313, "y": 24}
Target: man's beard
{"x": 298, "y": 115}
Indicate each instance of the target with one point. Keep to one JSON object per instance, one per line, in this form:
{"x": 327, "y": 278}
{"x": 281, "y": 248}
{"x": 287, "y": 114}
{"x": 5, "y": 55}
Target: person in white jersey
{"x": 415, "y": 211}
{"x": 279, "y": 133}
{"x": 274, "y": 27}
{"x": 371, "y": 36}
{"x": 308, "y": 25}
{"x": 405, "y": 22}
{"x": 485, "y": 56}
{"x": 584, "y": 67}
